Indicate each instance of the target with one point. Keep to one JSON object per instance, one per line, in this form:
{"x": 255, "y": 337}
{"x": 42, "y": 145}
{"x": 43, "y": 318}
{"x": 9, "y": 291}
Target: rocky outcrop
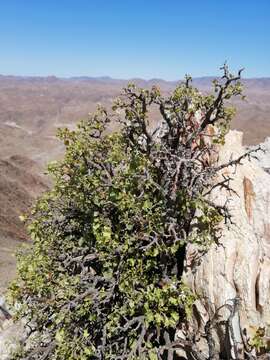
{"x": 232, "y": 280}
{"x": 264, "y": 156}
{"x": 10, "y": 333}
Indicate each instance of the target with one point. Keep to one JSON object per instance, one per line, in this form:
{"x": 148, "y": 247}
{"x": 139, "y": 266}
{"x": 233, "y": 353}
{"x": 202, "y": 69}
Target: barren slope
{"x": 20, "y": 184}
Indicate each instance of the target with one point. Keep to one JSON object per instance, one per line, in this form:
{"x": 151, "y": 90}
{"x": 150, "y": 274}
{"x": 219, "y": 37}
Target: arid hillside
{"x": 31, "y": 110}
{"x": 20, "y": 184}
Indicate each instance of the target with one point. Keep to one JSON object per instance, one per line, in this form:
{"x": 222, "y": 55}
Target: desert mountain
{"x": 32, "y": 108}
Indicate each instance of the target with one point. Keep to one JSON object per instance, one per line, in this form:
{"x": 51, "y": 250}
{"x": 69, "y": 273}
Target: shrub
{"x": 103, "y": 277}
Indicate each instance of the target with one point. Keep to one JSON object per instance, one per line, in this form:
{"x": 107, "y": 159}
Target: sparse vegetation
{"x": 103, "y": 278}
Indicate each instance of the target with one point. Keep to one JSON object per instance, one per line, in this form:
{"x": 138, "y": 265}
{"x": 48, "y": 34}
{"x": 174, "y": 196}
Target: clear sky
{"x": 134, "y": 38}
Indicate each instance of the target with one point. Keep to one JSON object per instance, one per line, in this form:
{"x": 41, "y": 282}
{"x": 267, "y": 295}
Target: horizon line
{"x": 107, "y": 77}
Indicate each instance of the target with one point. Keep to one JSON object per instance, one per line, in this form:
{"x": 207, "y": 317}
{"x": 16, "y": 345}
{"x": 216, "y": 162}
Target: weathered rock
{"x": 10, "y": 333}
{"x": 240, "y": 266}
{"x": 264, "y": 156}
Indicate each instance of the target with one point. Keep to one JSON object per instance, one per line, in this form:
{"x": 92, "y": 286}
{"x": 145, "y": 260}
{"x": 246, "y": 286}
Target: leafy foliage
{"x": 103, "y": 278}
{"x": 259, "y": 341}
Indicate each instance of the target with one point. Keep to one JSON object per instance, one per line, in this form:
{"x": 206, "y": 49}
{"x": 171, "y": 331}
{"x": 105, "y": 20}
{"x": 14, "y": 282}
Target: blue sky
{"x": 134, "y": 38}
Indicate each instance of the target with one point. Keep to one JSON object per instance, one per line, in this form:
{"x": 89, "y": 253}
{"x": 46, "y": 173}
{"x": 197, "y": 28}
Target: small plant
{"x": 103, "y": 278}
{"x": 259, "y": 341}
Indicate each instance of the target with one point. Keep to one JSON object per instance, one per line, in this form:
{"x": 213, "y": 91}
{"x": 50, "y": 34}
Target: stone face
{"x": 264, "y": 156}
{"x": 10, "y": 333}
{"x": 10, "y": 336}
{"x": 240, "y": 266}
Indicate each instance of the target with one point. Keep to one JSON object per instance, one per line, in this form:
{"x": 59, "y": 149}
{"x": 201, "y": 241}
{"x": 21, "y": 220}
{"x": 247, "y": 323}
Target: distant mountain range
{"x": 31, "y": 108}
{"x": 198, "y": 81}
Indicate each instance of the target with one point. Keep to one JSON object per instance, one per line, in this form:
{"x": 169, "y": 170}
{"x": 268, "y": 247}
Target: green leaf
{"x": 153, "y": 355}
